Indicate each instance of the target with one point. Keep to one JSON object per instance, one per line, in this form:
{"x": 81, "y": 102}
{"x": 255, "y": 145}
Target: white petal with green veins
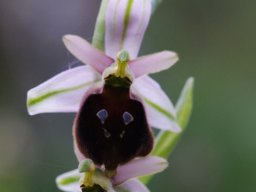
{"x": 159, "y": 108}
{"x": 69, "y": 181}
{"x": 126, "y": 22}
{"x": 63, "y": 92}
{"x": 166, "y": 141}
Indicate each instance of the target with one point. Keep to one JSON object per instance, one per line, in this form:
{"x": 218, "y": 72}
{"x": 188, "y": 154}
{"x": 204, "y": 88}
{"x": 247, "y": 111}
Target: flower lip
{"x": 110, "y": 130}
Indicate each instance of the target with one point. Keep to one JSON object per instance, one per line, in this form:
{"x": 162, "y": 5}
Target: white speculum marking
{"x": 102, "y": 115}
{"x": 128, "y": 118}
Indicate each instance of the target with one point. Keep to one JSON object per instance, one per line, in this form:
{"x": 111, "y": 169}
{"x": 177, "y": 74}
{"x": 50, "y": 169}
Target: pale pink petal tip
{"x": 89, "y": 55}
{"x": 153, "y": 63}
{"x": 133, "y": 185}
{"x": 139, "y": 167}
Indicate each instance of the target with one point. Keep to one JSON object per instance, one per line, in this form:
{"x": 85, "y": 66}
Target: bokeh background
{"x": 216, "y": 43}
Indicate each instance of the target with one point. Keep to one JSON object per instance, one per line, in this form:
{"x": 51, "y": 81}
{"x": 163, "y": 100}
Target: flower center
{"x": 93, "y": 179}
{"x": 118, "y": 74}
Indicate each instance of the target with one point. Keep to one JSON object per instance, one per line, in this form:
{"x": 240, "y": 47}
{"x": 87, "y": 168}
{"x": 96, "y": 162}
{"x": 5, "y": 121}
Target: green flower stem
{"x": 98, "y": 40}
{"x": 166, "y": 141}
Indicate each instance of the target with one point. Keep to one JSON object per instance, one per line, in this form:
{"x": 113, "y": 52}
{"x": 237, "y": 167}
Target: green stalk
{"x": 98, "y": 40}
{"x": 166, "y": 141}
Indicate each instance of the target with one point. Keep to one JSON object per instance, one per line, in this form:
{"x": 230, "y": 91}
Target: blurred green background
{"x": 216, "y": 43}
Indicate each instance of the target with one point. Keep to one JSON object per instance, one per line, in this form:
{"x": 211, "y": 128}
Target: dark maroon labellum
{"x": 94, "y": 188}
{"x": 111, "y": 127}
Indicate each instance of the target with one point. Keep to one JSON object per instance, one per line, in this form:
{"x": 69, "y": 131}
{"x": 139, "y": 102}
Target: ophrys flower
{"x": 90, "y": 178}
{"x": 115, "y": 98}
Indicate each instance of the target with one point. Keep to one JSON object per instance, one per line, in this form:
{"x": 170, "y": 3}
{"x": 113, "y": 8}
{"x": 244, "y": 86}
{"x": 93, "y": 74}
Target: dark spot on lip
{"x": 90, "y": 133}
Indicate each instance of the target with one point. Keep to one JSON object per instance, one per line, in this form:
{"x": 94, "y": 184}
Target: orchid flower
{"x": 115, "y": 98}
{"x": 116, "y": 101}
{"x": 125, "y": 179}
{"x": 65, "y": 91}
